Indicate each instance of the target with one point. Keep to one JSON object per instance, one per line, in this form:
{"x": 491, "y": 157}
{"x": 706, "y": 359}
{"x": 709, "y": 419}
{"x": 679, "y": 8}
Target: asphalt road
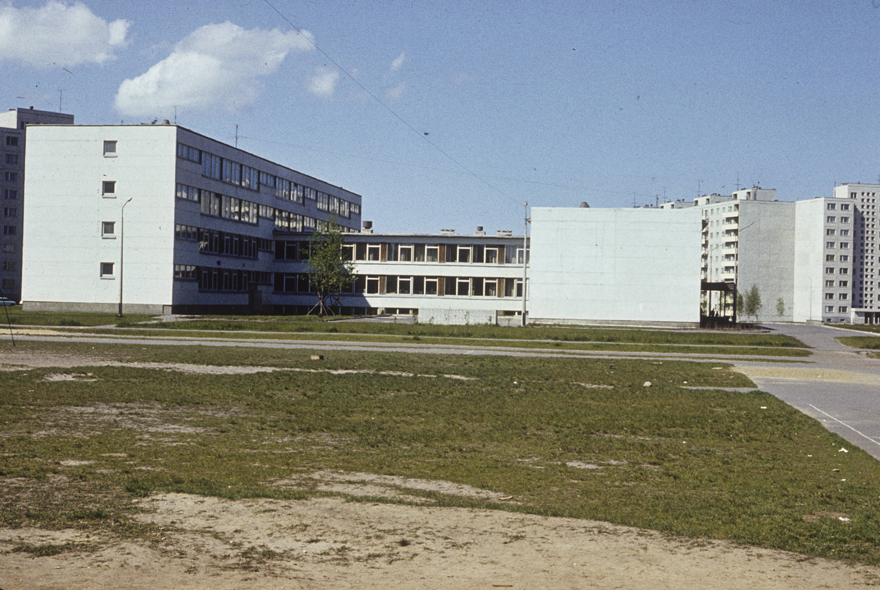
{"x": 838, "y": 386}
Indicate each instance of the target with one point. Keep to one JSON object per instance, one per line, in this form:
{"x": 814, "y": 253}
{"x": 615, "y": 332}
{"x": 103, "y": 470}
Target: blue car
{"x": 4, "y": 301}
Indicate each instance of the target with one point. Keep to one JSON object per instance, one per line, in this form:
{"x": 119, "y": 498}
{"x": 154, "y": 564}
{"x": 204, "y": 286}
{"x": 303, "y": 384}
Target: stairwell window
{"x": 110, "y": 148}
{"x": 108, "y": 188}
{"x": 106, "y": 270}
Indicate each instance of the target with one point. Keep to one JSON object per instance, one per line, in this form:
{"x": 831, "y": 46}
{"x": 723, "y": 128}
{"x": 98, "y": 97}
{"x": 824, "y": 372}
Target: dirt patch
{"x": 11, "y": 361}
{"x": 385, "y": 486}
{"x": 326, "y": 543}
{"x": 807, "y": 374}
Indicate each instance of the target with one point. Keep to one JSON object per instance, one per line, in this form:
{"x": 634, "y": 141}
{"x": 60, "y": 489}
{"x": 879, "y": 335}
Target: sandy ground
{"x": 330, "y": 543}
{"x": 325, "y": 543}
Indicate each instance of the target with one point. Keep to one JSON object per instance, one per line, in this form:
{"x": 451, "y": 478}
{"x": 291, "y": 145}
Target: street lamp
{"x": 525, "y": 252}
{"x": 122, "y": 251}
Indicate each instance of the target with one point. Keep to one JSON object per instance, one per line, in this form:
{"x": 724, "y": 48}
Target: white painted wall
{"x": 615, "y": 265}
{"x": 65, "y": 207}
{"x": 766, "y": 255}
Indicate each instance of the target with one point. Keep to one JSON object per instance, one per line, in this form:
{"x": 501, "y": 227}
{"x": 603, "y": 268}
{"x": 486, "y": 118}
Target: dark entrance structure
{"x": 725, "y": 295}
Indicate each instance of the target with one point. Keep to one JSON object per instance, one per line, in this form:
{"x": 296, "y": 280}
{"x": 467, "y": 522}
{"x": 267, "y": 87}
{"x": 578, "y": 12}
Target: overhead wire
{"x": 422, "y": 135}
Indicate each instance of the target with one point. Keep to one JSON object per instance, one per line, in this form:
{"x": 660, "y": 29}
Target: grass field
{"x": 311, "y": 328}
{"x": 569, "y": 437}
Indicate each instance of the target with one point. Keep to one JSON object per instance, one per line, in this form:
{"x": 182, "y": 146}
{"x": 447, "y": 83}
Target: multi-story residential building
{"x": 12, "y": 158}
{"x": 157, "y": 218}
{"x": 864, "y": 238}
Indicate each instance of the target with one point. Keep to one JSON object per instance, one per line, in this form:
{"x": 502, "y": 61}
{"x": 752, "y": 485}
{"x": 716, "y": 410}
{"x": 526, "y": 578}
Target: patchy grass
{"x": 68, "y": 318}
{"x": 735, "y": 347}
{"x": 567, "y": 437}
{"x": 863, "y": 342}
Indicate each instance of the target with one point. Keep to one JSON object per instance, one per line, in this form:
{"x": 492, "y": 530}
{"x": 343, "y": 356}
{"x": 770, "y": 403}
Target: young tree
{"x": 329, "y": 273}
{"x": 740, "y": 304}
{"x": 780, "y": 306}
{"x": 753, "y": 303}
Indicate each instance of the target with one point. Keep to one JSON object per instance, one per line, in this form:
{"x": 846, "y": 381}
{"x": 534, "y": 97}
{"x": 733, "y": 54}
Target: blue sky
{"x": 451, "y": 114}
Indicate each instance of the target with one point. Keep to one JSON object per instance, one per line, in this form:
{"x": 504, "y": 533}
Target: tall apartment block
{"x": 865, "y": 277}
{"x": 12, "y": 158}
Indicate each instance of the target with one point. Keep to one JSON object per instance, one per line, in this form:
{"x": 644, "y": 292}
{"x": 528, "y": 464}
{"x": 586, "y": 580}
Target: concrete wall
{"x": 766, "y": 255}
{"x": 63, "y": 242}
{"x": 615, "y": 265}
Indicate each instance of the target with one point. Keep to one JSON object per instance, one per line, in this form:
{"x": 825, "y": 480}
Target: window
{"x": 8, "y": 265}
{"x": 106, "y": 269}
{"x": 405, "y": 253}
{"x": 10, "y": 176}
{"x": 9, "y": 211}
{"x": 829, "y": 309}
{"x": 844, "y": 258}
{"x": 829, "y": 258}
{"x": 8, "y": 284}
{"x": 829, "y": 283}
{"x": 844, "y": 245}
{"x": 829, "y": 296}
{"x": 842, "y": 309}
{"x": 844, "y": 232}
{"x": 11, "y": 140}
{"x": 184, "y": 271}
{"x": 829, "y": 232}
{"x": 829, "y": 270}
{"x": 8, "y": 248}
{"x": 110, "y": 147}
{"x": 432, "y": 254}
{"x": 108, "y": 229}
{"x": 844, "y": 220}
{"x": 844, "y": 271}
{"x": 830, "y": 219}
{"x": 12, "y": 158}
{"x": 9, "y": 230}
{"x": 844, "y": 207}
{"x": 843, "y": 296}
{"x": 831, "y": 206}
{"x": 829, "y": 244}
{"x": 843, "y": 283}
{"x": 10, "y": 194}
{"x": 108, "y": 188}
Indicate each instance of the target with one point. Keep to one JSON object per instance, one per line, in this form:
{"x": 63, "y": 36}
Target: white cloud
{"x": 323, "y": 83}
{"x": 57, "y": 34}
{"x": 217, "y": 64}
{"x": 396, "y": 91}
{"x": 395, "y": 65}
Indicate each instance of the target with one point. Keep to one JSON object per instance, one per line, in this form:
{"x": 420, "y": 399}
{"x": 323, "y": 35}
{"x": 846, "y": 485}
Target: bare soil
{"x": 333, "y": 542}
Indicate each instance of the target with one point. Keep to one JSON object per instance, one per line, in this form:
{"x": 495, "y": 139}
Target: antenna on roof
{"x": 236, "y": 136}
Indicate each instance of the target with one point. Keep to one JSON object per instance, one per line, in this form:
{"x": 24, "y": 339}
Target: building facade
{"x": 160, "y": 218}
{"x": 865, "y": 253}
{"x": 634, "y": 266}
{"x": 12, "y": 172}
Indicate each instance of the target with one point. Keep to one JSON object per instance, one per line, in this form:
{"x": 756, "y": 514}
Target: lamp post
{"x": 122, "y": 251}
{"x": 525, "y": 252}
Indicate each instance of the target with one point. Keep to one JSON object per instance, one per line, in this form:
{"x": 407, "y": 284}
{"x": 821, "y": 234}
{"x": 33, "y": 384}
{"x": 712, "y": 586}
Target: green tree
{"x": 780, "y": 306}
{"x": 329, "y": 272}
{"x": 740, "y": 304}
{"x": 753, "y": 303}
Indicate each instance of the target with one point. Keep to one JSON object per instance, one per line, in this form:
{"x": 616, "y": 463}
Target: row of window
{"x": 843, "y": 206}
{"x": 407, "y": 285}
{"x": 830, "y": 309}
{"x": 12, "y": 141}
{"x": 10, "y": 194}
{"x": 226, "y": 170}
{"x": 220, "y": 242}
{"x": 833, "y": 219}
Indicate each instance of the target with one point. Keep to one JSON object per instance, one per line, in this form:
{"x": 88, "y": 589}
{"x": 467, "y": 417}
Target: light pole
{"x": 122, "y": 251}
{"x": 525, "y": 252}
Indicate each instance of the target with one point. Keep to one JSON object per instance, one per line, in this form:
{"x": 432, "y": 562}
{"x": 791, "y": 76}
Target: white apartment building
{"x": 788, "y": 249}
{"x": 12, "y": 157}
{"x": 866, "y": 256}
{"x": 158, "y": 218}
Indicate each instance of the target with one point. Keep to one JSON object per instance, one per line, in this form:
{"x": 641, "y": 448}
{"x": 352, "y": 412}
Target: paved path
{"x": 837, "y": 385}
